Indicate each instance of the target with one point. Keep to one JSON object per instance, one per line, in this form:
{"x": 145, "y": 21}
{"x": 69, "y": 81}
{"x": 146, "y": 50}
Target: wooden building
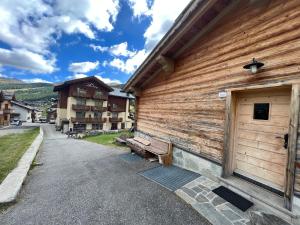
{"x": 90, "y": 104}
{"x": 223, "y": 120}
{"x": 5, "y": 107}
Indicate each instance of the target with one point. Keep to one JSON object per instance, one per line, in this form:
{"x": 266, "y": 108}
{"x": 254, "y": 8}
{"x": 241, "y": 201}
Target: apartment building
{"x": 89, "y": 104}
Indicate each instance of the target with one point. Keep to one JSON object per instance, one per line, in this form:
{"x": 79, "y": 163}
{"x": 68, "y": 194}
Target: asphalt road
{"x": 85, "y": 183}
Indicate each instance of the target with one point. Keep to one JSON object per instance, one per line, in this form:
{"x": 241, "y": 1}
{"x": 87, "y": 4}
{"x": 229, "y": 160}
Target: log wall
{"x": 185, "y": 107}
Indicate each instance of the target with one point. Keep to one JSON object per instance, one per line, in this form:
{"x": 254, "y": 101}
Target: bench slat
{"x": 157, "y": 151}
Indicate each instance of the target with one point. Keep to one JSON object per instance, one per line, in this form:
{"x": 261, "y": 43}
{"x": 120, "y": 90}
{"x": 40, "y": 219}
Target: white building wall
{"x": 24, "y": 114}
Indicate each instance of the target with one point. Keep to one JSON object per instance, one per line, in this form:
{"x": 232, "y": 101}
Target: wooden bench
{"x": 120, "y": 141}
{"x": 147, "y": 148}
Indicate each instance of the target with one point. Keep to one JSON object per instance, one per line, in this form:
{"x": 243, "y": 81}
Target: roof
{"x": 119, "y": 93}
{"x": 7, "y": 95}
{"x": 22, "y": 105}
{"x": 67, "y": 83}
{"x": 196, "y": 20}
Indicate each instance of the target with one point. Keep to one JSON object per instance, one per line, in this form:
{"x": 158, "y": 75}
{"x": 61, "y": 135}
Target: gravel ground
{"x": 86, "y": 183}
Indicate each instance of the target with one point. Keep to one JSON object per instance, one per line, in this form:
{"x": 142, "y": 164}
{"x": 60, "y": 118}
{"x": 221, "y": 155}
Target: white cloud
{"x": 139, "y": 7}
{"x": 27, "y": 60}
{"x": 36, "y": 80}
{"x": 76, "y": 76}
{"x": 117, "y": 50}
{"x": 99, "y": 48}
{"x": 131, "y": 64}
{"x": 108, "y": 80}
{"x": 163, "y": 15}
{"x": 3, "y": 75}
{"x": 104, "y": 79}
{"x": 34, "y": 25}
{"x": 83, "y": 67}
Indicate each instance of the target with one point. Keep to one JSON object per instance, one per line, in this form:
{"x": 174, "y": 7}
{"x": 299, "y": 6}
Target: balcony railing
{"x": 7, "y": 111}
{"x": 100, "y": 97}
{"x": 98, "y": 108}
{"x": 116, "y": 109}
{"x": 80, "y": 94}
{"x": 115, "y": 120}
{"x": 81, "y": 107}
{"x": 88, "y": 120}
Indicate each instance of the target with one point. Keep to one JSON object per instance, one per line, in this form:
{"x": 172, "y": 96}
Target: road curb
{"x": 12, "y": 184}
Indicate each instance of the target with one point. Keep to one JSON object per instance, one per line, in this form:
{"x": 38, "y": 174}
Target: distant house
{"x": 52, "y": 112}
{"x": 5, "y": 107}
{"x": 22, "y": 112}
{"x": 229, "y": 116}
{"x": 90, "y": 104}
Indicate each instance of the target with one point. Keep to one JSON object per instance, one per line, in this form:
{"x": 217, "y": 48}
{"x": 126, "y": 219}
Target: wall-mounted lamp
{"x": 254, "y": 66}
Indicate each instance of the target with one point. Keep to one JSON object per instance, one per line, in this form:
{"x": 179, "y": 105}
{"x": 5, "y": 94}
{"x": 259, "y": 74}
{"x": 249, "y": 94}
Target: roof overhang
{"x": 65, "y": 84}
{"x": 199, "y": 17}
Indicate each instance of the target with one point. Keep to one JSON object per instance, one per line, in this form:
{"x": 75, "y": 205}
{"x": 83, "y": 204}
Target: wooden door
{"x": 262, "y": 120}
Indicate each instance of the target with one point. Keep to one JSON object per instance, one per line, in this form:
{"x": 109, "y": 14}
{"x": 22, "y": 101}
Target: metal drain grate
{"x": 130, "y": 157}
{"x": 170, "y": 177}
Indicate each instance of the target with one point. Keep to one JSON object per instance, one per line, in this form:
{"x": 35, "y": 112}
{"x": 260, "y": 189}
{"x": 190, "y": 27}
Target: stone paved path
{"x": 199, "y": 194}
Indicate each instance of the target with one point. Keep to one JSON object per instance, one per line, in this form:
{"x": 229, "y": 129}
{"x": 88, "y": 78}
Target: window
{"x": 5, "y": 117}
{"x": 122, "y": 126}
{"x": 98, "y": 94}
{"x": 114, "y": 106}
{"x": 99, "y": 103}
{"x": 79, "y": 127}
{"x": 81, "y": 101}
{"x": 114, "y": 115}
{"x": 97, "y": 126}
{"x": 6, "y": 106}
{"x": 80, "y": 114}
{"x": 114, "y": 126}
{"x": 81, "y": 91}
{"x": 261, "y": 111}
{"x": 97, "y": 115}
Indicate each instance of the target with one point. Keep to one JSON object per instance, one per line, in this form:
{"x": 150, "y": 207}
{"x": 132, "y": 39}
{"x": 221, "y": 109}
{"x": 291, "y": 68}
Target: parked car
{"x": 16, "y": 122}
{"x": 43, "y": 119}
{"x": 51, "y": 121}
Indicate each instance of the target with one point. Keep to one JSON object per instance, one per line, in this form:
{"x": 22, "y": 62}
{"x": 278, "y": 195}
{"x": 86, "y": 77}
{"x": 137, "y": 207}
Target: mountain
{"x": 30, "y": 92}
{"x": 33, "y": 93}
{"x": 4, "y": 80}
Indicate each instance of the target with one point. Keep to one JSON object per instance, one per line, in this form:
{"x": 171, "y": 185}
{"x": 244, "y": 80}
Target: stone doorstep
{"x": 11, "y": 185}
{"x": 199, "y": 195}
{"x": 270, "y": 202}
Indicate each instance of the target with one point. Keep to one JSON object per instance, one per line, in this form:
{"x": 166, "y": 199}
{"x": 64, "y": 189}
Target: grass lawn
{"x": 12, "y": 147}
{"x": 107, "y": 139}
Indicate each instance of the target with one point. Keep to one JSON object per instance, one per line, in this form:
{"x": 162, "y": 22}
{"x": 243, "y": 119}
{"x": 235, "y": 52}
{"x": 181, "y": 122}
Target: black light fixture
{"x": 254, "y": 66}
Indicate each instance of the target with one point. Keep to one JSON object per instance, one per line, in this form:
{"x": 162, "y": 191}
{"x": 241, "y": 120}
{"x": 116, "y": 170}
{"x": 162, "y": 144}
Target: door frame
{"x": 229, "y": 131}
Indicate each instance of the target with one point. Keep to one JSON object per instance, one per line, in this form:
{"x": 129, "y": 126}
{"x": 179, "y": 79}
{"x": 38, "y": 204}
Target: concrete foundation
{"x": 196, "y": 164}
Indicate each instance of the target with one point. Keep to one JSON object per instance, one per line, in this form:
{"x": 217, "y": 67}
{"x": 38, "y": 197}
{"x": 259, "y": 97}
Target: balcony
{"x": 116, "y": 109}
{"x": 115, "y": 120}
{"x": 7, "y": 111}
{"x": 88, "y": 120}
{"x": 98, "y": 108}
{"x": 100, "y": 97}
{"x": 80, "y": 94}
{"x": 97, "y": 120}
{"x": 81, "y": 107}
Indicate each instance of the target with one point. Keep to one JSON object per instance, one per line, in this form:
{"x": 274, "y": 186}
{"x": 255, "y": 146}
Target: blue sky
{"x": 52, "y": 41}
